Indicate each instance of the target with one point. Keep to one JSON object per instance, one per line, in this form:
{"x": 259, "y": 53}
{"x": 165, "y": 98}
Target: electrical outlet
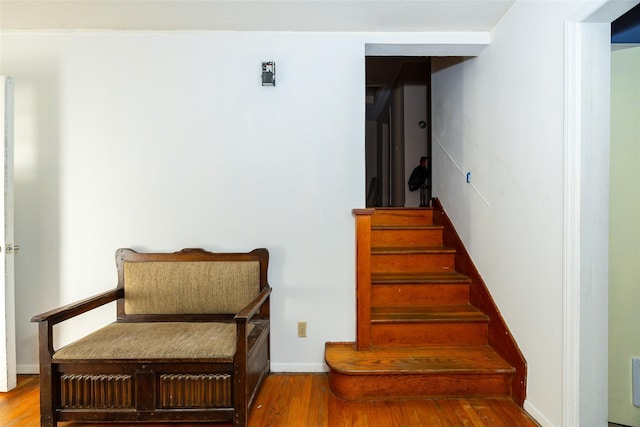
{"x": 302, "y": 329}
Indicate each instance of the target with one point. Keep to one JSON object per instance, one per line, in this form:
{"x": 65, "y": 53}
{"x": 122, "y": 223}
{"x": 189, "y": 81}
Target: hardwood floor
{"x": 304, "y": 400}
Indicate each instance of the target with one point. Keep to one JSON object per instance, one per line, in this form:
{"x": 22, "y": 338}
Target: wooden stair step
{"x": 417, "y": 372}
{"x": 424, "y": 314}
{"x": 402, "y": 288}
{"x": 400, "y": 227}
{"x": 425, "y": 339}
{"x": 406, "y": 235}
{"x": 452, "y": 277}
{"x": 343, "y": 357}
{"x": 411, "y": 250}
{"x": 412, "y": 259}
{"x": 384, "y": 294}
{"x": 397, "y": 216}
{"x": 437, "y": 325}
{"x": 458, "y": 334}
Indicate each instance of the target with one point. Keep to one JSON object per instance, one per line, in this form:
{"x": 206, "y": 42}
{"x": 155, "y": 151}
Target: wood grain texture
{"x": 390, "y": 373}
{"x": 363, "y": 277}
{"x": 403, "y": 216}
{"x": 427, "y": 313}
{"x": 384, "y": 294}
{"x": 417, "y": 386}
{"x": 412, "y": 260}
{"x": 428, "y": 334}
{"x": 406, "y": 235}
{"x": 418, "y": 293}
{"x": 20, "y": 407}
{"x": 304, "y": 400}
{"x": 399, "y": 360}
{"x": 403, "y": 288}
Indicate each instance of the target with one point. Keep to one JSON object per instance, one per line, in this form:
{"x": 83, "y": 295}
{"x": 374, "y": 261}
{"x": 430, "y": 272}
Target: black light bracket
{"x": 268, "y": 73}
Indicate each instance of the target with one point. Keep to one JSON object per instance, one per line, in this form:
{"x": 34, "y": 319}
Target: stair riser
{"x": 420, "y": 337}
{"x": 412, "y": 263}
{"x": 404, "y": 238}
{"x": 410, "y": 294}
{"x": 428, "y": 334}
{"x": 386, "y": 387}
{"x": 402, "y": 217}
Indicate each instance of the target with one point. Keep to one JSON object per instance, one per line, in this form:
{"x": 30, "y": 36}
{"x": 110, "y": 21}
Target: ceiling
{"x": 273, "y": 15}
{"x": 255, "y": 15}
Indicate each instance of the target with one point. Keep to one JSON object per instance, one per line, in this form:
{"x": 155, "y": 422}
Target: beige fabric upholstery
{"x": 155, "y": 340}
{"x": 190, "y": 287}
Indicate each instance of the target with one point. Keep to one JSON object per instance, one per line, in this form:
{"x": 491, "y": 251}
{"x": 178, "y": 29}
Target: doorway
{"x": 624, "y": 226}
{"x": 398, "y": 128}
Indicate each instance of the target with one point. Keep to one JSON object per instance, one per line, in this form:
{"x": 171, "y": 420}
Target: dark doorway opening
{"x": 398, "y": 128}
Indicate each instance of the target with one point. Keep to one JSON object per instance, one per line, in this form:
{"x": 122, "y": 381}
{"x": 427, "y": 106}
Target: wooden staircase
{"x": 419, "y": 332}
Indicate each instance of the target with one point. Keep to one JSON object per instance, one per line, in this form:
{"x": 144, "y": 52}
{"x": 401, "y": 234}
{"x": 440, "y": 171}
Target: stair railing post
{"x": 363, "y": 278}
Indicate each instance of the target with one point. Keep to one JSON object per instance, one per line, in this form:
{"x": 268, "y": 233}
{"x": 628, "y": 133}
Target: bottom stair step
{"x": 417, "y": 372}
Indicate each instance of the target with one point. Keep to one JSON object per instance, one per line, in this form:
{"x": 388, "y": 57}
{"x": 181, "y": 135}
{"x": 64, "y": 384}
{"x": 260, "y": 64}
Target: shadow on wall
{"x": 37, "y": 201}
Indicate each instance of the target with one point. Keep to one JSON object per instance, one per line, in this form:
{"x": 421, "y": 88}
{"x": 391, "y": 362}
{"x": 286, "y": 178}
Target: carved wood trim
{"x": 195, "y": 391}
{"x": 96, "y": 391}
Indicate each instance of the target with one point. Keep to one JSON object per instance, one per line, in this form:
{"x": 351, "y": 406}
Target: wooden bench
{"x": 190, "y": 343}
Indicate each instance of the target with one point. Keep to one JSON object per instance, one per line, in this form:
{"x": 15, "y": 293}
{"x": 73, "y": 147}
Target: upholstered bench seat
{"x": 190, "y": 343}
{"x": 155, "y": 340}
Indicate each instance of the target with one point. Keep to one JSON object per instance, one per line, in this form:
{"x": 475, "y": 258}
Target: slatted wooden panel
{"x": 96, "y": 391}
{"x": 192, "y": 391}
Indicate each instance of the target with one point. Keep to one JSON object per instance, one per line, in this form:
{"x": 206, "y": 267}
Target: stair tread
{"x": 434, "y": 277}
{"x": 403, "y": 208}
{"x": 401, "y": 250}
{"x": 405, "y": 227}
{"x": 424, "y": 338}
{"x": 344, "y": 358}
{"x": 427, "y": 313}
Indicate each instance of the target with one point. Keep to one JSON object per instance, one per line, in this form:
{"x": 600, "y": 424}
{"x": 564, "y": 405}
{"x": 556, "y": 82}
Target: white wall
{"x": 160, "y": 141}
{"x": 624, "y": 243}
{"x": 500, "y": 117}
{"x": 164, "y": 140}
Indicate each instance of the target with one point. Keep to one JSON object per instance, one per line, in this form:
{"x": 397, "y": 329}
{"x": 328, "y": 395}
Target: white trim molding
{"x": 571, "y": 235}
{"x": 299, "y": 367}
{"x": 585, "y": 212}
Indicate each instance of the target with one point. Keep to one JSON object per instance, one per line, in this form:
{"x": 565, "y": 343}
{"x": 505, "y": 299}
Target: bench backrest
{"x": 189, "y": 282}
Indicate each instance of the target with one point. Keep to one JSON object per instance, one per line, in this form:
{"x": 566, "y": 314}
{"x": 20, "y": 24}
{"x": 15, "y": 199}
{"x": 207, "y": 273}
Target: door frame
{"x": 8, "y": 371}
{"x": 586, "y": 211}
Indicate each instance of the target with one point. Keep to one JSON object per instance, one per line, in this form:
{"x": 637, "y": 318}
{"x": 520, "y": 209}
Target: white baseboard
{"x": 299, "y": 367}
{"x": 27, "y": 369}
{"x": 537, "y": 415}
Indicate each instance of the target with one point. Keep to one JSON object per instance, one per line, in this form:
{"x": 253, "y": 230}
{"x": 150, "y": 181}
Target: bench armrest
{"x": 50, "y": 318}
{"x": 71, "y": 310}
{"x": 242, "y": 342}
{"x": 250, "y": 310}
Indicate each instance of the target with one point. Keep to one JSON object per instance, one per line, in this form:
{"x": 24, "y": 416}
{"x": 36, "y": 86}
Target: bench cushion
{"x": 155, "y": 340}
{"x": 197, "y": 287}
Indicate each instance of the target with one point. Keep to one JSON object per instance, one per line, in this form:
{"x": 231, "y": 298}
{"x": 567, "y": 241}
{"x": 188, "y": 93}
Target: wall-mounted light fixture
{"x": 269, "y": 73}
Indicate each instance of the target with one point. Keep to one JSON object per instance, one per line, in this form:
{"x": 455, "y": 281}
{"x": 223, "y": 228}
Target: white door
{"x": 7, "y": 296}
